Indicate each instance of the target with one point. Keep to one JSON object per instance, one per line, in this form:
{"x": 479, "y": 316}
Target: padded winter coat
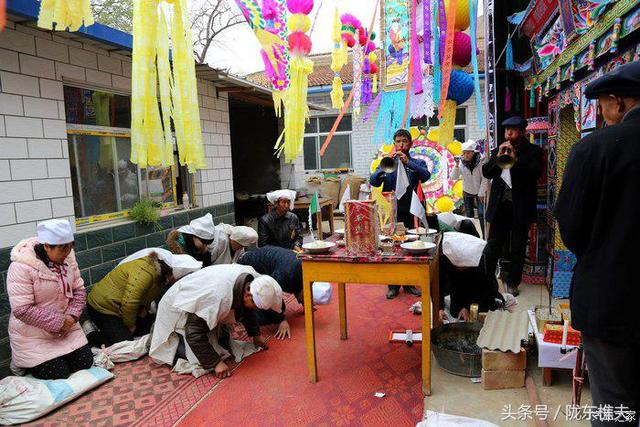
{"x": 39, "y": 302}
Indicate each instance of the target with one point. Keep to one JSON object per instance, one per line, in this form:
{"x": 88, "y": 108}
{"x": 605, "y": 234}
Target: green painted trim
{"x": 601, "y": 27}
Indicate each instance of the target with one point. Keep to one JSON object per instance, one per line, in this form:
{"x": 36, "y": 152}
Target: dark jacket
{"x": 416, "y": 171}
{"x": 524, "y": 179}
{"x": 182, "y": 243}
{"x": 284, "y": 231}
{"x": 197, "y": 331}
{"x": 597, "y": 210}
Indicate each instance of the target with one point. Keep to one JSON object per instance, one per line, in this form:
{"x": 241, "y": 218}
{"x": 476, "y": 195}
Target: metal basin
{"x": 455, "y": 349}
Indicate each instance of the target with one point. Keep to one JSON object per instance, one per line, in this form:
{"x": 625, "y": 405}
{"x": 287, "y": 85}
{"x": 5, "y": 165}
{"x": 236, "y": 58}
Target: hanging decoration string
{"x": 415, "y": 51}
{"x": 65, "y": 14}
{"x": 426, "y": 32}
{"x": 473, "y": 13}
{"x": 447, "y": 60}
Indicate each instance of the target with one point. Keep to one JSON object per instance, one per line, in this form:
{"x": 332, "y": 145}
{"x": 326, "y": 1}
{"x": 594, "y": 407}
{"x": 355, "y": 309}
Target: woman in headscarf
{"x": 119, "y": 303}
{"x": 231, "y": 242}
{"x": 47, "y": 297}
{"x": 198, "y": 307}
{"x": 194, "y": 239}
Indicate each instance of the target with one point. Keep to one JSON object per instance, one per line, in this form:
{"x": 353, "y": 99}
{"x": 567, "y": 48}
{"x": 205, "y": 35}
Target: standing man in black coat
{"x": 597, "y": 212}
{"x": 512, "y": 201}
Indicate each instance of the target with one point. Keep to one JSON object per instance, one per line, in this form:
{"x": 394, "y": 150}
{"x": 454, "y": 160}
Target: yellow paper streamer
{"x": 384, "y": 206}
{"x": 338, "y": 60}
{"x": 71, "y": 14}
{"x": 455, "y": 148}
{"x": 447, "y": 123}
{"x": 151, "y": 138}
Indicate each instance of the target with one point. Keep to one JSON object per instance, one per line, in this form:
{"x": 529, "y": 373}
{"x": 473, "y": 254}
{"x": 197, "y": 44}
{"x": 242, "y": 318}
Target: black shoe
{"x": 392, "y": 293}
{"x": 412, "y": 290}
{"x": 513, "y": 290}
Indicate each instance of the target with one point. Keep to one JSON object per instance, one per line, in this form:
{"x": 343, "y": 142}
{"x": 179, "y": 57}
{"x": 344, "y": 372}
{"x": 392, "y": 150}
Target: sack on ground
{"x": 322, "y": 292}
{"x": 119, "y": 352}
{"x": 23, "y": 399}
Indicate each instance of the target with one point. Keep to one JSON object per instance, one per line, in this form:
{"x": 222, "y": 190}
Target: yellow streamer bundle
{"x": 455, "y": 148}
{"x": 384, "y": 206}
{"x": 444, "y": 204}
{"x": 448, "y": 122}
{"x": 296, "y": 108}
{"x": 151, "y": 138}
{"x": 338, "y": 60}
{"x": 65, "y": 14}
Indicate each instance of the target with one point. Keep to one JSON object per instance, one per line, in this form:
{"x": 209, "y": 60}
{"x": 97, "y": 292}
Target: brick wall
{"x": 35, "y": 176}
{"x": 362, "y": 151}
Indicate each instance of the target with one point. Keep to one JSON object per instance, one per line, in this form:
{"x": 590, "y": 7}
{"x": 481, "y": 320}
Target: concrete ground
{"x": 456, "y": 395}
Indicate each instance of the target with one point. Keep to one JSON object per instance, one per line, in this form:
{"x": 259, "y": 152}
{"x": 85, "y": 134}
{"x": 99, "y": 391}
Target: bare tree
{"x": 114, "y": 13}
{"x": 208, "y": 20}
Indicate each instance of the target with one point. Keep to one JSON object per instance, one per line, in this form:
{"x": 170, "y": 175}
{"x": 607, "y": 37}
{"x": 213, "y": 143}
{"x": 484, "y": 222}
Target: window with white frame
{"x": 460, "y": 129}
{"x": 103, "y": 179}
{"x": 338, "y": 154}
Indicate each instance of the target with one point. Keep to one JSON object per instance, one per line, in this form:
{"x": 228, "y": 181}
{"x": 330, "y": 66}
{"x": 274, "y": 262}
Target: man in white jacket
{"x": 474, "y": 185}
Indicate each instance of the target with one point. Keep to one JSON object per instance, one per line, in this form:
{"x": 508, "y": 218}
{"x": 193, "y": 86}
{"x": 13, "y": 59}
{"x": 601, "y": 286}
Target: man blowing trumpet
{"x": 514, "y": 168}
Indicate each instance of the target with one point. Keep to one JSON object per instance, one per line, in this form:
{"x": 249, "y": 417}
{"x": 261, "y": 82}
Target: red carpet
{"x": 272, "y": 387}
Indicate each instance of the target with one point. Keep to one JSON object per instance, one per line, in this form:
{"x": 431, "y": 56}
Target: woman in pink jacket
{"x": 47, "y": 296}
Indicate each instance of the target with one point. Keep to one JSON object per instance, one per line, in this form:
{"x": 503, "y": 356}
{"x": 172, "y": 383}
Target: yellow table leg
{"x": 426, "y": 335}
{"x": 342, "y": 307}
{"x": 310, "y": 331}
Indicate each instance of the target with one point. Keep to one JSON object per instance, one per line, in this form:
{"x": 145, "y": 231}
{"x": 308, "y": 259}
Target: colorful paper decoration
{"x": 444, "y": 204}
{"x": 461, "y": 49}
{"x": 455, "y": 148}
{"x": 473, "y": 18}
{"x": 65, "y": 14}
{"x": 338, "y": 60}
{"x": 447, "y": 59}
{"x": 296, "y": 107}
{"x": 462, "y": 14}
{"x": 151, "y": 140}
{"x": 269, "y": 24}
{"x": 3, "y": 14}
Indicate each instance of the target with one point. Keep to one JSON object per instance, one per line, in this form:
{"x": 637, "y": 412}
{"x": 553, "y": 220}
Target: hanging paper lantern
{"x": 461, "y": 49}
{"x": 460, "y": 87}
{"x": 300, "y": 6}
{"x": 462, "y": 14}
{"x": 299, "y": 22}
{"x": 299, "y": 43}
{"x": 415, "y": 132}
{"x": 455, "y": 148}
{"x": 444, "y": 204}
{"x": 350, "y": 26}
{"x": 457, "y": 189}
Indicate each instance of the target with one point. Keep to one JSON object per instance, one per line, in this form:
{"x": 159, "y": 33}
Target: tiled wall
{"x": 99, "y": 251}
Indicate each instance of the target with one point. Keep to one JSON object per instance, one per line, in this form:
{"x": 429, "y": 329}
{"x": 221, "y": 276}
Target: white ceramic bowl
{"x": 309, "y": 247}
{"x": 424, "y": 248}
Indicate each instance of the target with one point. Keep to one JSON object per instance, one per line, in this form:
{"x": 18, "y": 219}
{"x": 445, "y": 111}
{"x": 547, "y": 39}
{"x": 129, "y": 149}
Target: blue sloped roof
{"x": 99, "y": 32}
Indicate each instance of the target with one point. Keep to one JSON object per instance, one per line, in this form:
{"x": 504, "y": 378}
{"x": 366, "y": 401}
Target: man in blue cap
{"x": 597, "y": 211}
{"x": 514, "y": 168}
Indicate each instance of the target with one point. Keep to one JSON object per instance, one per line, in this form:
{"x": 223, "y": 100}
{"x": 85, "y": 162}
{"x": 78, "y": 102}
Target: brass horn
{"x": 506, "y": 160}
{"x": 388, "y": 164}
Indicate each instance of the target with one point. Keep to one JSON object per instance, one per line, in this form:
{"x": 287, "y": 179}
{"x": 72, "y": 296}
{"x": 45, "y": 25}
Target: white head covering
{"x": 470, "y": 145}
{"x": 463, "y": 250}
{"x": 200, "y": 227}
{"x": 451, "y": 219}
{"x": 180, "y": 264}
{"x": 274, "y": 196}
{"x": 266, "y": 293}
{"x": 54, "y": 232}
{"x": 246, "y": 236}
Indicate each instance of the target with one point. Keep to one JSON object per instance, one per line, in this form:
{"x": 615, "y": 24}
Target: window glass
{"x": 310, "y": 154}
{"x": 459, "y": 135}
{"x": 326, "y": 123}
{"x": 157, "y": 184}
{"x": 461, "y": 116}
{"x": 97, "y": 108}
{"x": 338, "y": 154}
{"x": 311, "y": 126}
{"x": 127, "y": 175}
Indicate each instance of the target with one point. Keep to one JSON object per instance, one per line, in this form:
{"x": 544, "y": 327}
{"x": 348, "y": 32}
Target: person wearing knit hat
{"x": 194, "y": 239}
{"x": 47, "y": 297}
{"x": 474, "y": 185}
{"x": 280, "y": 227}
{"x": 597, "y": 209}
{"x": 230, "y": 243}
{"x": 201, "y": 307}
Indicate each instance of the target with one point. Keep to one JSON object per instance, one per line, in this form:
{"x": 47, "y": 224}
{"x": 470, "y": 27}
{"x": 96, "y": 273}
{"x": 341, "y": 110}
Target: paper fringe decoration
{"x": 65, "y": 14}
{"x": 448, "y": 122}
{"x": 447, "y": 60}
{"x": 423, "y": 104}
{"x": 338, "y": 60}
{"x": 509, "y": 56}
{"x": 437, "y": 77}
{"x": 390, "y": 116}
{"x": 415, "y": 51}
{"x": 357, "y": 54}
{"x": 150, "y": 144}
{"x": 296, "y": 107}
{"x": 473, "y": 13}
{"x": 269, "y": 24}
{"x": 426, "y": 31}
